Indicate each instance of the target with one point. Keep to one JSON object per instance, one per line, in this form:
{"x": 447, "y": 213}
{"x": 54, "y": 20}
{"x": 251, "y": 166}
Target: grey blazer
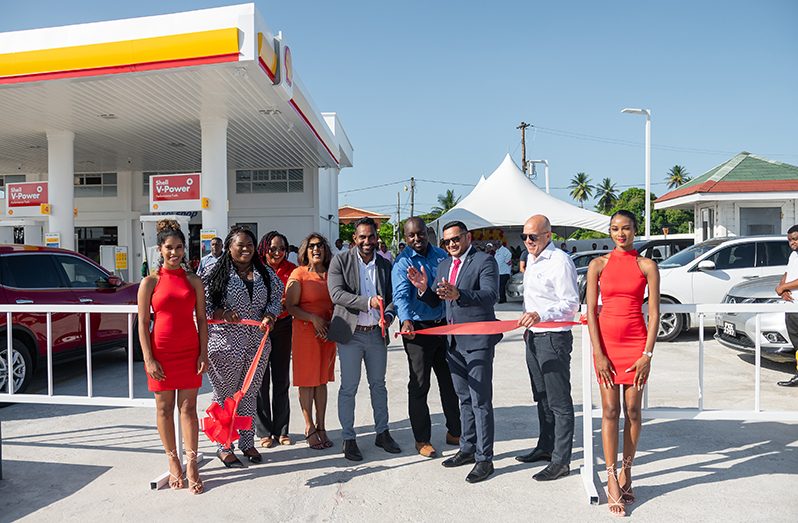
{"x": 343, "y": 281}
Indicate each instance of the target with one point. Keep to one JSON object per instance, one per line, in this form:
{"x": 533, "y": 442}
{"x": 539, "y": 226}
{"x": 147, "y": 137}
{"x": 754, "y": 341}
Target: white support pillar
{"x": 61, "y": 178}
{"x": 214, "y": 174}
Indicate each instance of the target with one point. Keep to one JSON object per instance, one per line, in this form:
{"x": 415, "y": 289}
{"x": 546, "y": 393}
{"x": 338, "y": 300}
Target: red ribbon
{"x": 382, "y": 316}
{"x": 222, "y": 424}
{"x": 488, "y": 327}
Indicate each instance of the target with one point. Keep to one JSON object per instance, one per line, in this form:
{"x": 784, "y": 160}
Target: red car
{"x": 43, "y": 275}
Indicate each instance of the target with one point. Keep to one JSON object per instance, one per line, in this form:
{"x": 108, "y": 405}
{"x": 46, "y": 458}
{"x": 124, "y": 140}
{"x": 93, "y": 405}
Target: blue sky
{"x": 435, "y": 89}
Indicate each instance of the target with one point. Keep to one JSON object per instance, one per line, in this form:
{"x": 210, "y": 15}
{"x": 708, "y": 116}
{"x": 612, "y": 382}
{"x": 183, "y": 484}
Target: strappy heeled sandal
{"x": 627, "y": 494}
{"x": 196, "y": 487}
{"x": 612, "y": 502}
{"x": 315, "y": 446}
{"x": 175, "y": 482}
{"x": 324, "y": 439}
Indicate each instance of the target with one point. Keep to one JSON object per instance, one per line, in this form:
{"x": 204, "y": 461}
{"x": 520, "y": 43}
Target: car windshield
{"x": 682, "y": 258}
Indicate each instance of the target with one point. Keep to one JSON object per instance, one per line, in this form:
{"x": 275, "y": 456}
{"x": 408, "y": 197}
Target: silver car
{"x": 737, "y": 330}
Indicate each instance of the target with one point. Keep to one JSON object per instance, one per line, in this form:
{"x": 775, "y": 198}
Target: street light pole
{"x": 647, "y": 114}
{"x": 545, "y": 172}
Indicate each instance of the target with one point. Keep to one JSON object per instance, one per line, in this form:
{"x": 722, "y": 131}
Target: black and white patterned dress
{"x": 231, "y": 348}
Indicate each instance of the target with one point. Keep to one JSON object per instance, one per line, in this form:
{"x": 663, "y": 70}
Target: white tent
{"x": 507, "y": 198}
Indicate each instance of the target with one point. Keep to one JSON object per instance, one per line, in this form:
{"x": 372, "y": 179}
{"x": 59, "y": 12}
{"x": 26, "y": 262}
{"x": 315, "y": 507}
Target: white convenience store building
{"x": 97, "y": 109}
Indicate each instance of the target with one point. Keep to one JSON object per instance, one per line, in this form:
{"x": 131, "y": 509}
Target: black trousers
{"x": 548, "y": 359}
{"x": 272, "y": 415}
{"x": 791, "y": 319}
{"x": 503, "y": 279}
{"x": 426, "y": 354}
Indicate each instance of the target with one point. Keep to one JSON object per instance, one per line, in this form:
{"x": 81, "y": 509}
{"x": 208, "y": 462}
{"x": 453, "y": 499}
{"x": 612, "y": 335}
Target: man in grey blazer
{"x": 468, "y": 282}
{"x": 358, "y": 281}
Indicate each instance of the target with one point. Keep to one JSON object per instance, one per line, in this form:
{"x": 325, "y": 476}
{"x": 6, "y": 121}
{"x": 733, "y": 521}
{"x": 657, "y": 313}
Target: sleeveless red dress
{"x": 174, "y": 338}
{"x": 623, "y": 330}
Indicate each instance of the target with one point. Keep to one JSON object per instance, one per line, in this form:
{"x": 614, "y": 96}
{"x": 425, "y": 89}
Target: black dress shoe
{"x": 481, "y": 471}
{"x": 351, "y": 451}
{"x": 535, "y": 455}
{"x": 233, "y": 463}
{"x": 792, "y": 382}
{"x": 253, "y": 456}
{"x": 459, "y": 459}
{"x": 551, "y": 472}
{"x": 385, "y": 441}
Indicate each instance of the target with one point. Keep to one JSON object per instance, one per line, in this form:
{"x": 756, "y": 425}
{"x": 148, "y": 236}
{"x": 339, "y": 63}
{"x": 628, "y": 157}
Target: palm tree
{"x": 607, "y": 196}
{"x": 677, "y": 176}
{"x": 446, "y": 201}
{"x": 581, "y": 189}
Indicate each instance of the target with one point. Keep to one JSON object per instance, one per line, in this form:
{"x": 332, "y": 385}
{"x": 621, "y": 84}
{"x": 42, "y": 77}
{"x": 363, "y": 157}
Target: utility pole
{"x": 412, "y": 196}
{"x": 523, "y": 128}
{"x": 398, "y": 216}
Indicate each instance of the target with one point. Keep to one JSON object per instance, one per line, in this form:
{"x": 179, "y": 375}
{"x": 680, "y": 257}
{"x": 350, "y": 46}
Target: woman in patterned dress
{"x": 240, "y": 286}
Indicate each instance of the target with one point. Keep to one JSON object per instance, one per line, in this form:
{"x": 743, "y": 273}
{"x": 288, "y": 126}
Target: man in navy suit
{"x": 468, "y": 282}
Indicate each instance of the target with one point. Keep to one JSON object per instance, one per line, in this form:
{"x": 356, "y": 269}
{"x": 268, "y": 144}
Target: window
{"x": 95, "y": 185}
{"x": 81, "y": 275}
{"x": 772, "y": 254}
{"x": 30, "y": 271}
{"x": 11, "y": 178}
{"x": 149, "y": 174}
{"x": 270, "y": 181}
{"x": 740, "y": 256}
{"x": 91, "y": 238}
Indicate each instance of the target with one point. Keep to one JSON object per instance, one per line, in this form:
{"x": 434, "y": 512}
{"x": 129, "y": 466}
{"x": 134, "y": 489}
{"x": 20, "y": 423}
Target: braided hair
{"x": 266, "y": 243}
{"x": 166, "y": 229}
{"x": 219, "y": 276}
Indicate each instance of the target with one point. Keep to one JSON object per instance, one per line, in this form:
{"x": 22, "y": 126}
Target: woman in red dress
{"x": 176, "y": 351}
{"x": 622, "y": 346}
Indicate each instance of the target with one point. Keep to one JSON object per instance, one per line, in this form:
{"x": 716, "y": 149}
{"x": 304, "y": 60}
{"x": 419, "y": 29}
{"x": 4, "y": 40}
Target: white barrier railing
{"x": 588, "y": 473}
{"x": 89, "y": 399}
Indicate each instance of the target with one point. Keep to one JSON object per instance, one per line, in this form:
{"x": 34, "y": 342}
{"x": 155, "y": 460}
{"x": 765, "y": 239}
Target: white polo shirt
{"x": 792, "y": 267}
{"x": 550, "y": 287}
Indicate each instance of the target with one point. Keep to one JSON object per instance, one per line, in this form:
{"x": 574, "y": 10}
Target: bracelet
{"x": 649, "y": 354}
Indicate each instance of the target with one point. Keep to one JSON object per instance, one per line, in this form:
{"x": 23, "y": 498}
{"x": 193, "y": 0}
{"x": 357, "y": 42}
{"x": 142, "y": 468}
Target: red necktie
{"x": 455, "y": 268}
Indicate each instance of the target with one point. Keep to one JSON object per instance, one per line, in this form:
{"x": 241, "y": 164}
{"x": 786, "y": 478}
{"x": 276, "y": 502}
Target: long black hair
{"x": 266, "y": 243}
{"x": 220, "y": 272}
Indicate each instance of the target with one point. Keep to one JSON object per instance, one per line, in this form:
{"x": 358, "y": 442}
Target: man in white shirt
{"x": 789, "y": 283}
{"x": 338, "y": 247}
{"x": 504, "y": 258}
{"x": 550, "y": 294}
{"x": 209, "y": 260}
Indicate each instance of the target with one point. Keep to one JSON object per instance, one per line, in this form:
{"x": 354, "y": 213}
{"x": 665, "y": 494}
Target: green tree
{"x": 606, "y": 195}
{"x": 581, "y": 189}
{"x": 677, "y": 176}
{"x": 634, "y": 200}
{"x": 347, "y": 230}
{"x": 446, "y": 201}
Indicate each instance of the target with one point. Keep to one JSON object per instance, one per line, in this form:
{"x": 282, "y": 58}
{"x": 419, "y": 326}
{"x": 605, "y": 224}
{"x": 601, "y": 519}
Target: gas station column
{"x": 61, "y": 178}
{"x": 214, "y": 174}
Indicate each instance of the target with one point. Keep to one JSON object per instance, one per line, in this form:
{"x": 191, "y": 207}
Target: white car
{"x": 705, "y": 272}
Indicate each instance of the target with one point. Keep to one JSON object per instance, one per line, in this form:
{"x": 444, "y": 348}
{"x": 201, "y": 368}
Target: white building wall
{"x": 727, "y": 215}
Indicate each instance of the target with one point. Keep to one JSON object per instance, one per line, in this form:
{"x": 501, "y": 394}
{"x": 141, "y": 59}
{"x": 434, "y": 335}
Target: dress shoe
{"x": 351, "y": 451}
{"x": 426, "y": 450}
{"x": 551, "y": 472}
{"x": 481, "y": 471}
{"x": 385, "y": 441}
{"x": 452, "y": 440}
{"x": 459, "y": 459}
{"x": 229, "y": 462}
{"x": 792, "y": 382}
{"x": 253, "y": 456}
{"x": 535, "y": 455}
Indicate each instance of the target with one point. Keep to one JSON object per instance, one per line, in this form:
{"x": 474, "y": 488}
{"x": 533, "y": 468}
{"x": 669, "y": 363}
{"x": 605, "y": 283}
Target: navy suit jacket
{"x": 478, "y": 283}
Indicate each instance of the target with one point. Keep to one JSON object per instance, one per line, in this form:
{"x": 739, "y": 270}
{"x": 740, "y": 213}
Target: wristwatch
{"x": 649, "y": 354}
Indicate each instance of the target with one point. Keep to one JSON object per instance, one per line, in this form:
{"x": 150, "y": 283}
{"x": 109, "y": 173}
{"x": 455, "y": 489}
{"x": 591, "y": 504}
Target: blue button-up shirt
{"x": 405, "y": 298}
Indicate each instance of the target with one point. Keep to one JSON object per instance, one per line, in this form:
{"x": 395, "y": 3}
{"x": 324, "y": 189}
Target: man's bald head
{"x": 539, "y": 223}
{"x": 537, "y": 234}
{"x": 416, "y": 234}
{"x": 414, "y": 222}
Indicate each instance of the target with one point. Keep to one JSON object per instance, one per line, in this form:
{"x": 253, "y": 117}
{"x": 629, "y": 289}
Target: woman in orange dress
{"x": 308, "y": 301}
{"x": 622, "y": 346}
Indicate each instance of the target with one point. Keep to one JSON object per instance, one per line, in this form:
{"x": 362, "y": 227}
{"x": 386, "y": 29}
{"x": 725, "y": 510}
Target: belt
{"x": 435, "y": 323}
{"x": 366, "y": 328}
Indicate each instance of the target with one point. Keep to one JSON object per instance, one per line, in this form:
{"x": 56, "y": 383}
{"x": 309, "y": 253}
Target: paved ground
{"x": 69, "y": 463}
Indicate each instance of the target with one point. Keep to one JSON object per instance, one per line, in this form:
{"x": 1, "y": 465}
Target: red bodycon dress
{"x": 174, "y": 338}
{"x": 623, "y": 331}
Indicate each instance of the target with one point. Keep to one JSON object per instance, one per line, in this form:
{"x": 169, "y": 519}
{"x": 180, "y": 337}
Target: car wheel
{"x": 138, "y": 354}
{"x": 21, "y": 367}
{"x": 671, "y": 324}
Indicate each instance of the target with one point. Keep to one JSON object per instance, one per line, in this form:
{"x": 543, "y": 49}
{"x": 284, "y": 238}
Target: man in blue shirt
{"x": 424, "y": 353}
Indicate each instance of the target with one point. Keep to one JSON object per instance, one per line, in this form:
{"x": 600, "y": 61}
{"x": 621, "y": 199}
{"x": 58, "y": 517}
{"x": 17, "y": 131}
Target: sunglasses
{"x": 312, "y": 246}
{"x": 276, "y": 249}
{"x": 455, "y": 239}
{"x": 532, "y": 237}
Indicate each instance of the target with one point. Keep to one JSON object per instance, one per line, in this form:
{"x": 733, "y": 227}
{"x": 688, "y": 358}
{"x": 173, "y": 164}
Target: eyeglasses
{"x": 455, "y": 239}
{"x": 317, "y": 245}
{"x": 532, "y": 237}
{"x": 275, "y": 250}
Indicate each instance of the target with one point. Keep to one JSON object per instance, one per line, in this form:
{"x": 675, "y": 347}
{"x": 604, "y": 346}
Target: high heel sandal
{"x": 196, "y": 487}
{"x": 175, "y": 482}
{"x": 612, "y": 502}
{"x": 324, "y": 439}
{"x": 627, "y": 494}
{"x": 315, "y": 446}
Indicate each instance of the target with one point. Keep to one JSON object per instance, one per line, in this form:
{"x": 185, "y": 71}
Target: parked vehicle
{"x": 737, "y": 330}
{"x": 662, "y": 249}
{"x": 515, "y": 287}
{"x": 47, "y": 276}
{"x": 705, "y": 272}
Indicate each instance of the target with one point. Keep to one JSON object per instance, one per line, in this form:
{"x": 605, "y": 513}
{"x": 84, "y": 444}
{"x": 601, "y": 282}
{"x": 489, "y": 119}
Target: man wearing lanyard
{"x": 424, "y": 353}
{"x": 550, "y": 294}
{"x": 358, "y": 281}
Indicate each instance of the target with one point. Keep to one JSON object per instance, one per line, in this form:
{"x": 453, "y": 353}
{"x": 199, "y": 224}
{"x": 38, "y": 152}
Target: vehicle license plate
{"x": 728, "y": 329}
